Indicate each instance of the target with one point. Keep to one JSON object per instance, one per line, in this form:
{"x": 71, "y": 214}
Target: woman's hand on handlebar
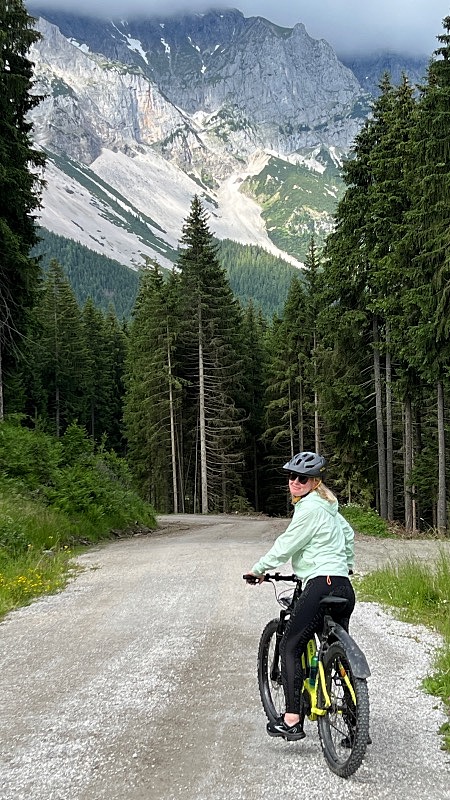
{"x": 251, "y": 578}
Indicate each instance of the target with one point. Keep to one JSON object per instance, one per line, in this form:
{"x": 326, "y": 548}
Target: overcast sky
{"x": 349, "y": 25}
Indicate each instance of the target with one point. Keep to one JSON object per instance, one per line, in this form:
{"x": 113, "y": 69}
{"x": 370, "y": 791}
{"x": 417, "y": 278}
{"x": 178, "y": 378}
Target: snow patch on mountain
{"x": 81, "y": 46}
{"x": 136, "y": 46}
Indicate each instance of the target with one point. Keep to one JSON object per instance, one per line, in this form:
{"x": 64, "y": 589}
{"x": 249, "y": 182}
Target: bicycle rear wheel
{"x": 269, "y": 673}
{"x": 344, "y": 730}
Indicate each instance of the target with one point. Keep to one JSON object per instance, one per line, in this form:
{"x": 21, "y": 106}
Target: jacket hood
{"x": 317, "y": 500}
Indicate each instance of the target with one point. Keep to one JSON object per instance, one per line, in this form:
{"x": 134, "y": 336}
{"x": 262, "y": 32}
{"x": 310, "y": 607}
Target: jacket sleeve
{"x": 295, "y": 538}
{"x": 349, "y": 535}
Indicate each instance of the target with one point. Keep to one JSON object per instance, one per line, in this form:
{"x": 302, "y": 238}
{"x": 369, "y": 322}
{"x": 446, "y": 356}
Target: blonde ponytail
{"x": 325, "y": 493}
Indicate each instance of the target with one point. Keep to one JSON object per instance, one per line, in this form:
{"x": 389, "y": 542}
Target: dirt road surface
{"x": 138, "y": 681}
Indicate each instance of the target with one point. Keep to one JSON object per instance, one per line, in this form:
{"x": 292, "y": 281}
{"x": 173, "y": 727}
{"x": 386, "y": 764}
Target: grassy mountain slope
{"x": 297, "y": 202}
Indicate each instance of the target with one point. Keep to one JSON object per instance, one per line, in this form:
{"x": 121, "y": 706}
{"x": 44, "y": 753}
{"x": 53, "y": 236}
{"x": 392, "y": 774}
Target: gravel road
{"x": 138, "y": 681}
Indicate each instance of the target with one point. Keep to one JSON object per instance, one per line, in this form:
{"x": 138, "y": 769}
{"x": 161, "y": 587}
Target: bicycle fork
{"x": 275, "y": 667}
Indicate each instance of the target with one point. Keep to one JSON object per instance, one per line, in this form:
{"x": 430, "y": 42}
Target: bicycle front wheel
{"x": 269, "y": 673}
{"x": 344, "y": 730}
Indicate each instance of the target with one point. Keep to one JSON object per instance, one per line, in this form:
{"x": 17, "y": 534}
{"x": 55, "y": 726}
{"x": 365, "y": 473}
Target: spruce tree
{"x": 98, "y": 378}
{"x": 116, "y": 339}
{"x": 151, "y": 405}
{"x": 60, "y": 353}
{"x": 254, "y": 357}
{"x": 346, "y": 326}
{"x": 207, "y": 361}
{"x": 20, "y": 181}
{"x": 426, "y": 248}
{"x": 289, "y": 419}
{"x": 390, "y": 203}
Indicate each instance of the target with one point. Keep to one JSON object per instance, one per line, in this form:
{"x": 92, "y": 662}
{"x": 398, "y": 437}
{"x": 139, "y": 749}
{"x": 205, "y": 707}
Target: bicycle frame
{"x": 334, "y": 691}
{"x": 317, "y": 645}
{"x": 307, "y": 656}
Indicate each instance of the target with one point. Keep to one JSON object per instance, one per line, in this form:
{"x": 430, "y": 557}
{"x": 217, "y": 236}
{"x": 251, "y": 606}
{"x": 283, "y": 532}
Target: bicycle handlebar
{"x": 274, "y": 576}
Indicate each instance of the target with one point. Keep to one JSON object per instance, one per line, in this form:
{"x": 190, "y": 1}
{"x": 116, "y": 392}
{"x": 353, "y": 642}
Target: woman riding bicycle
{"x": 319, "y": 542}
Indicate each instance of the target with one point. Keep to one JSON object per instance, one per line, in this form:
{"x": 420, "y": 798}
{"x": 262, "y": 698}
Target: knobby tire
{"x": 344, "y": 722}
{"x": 270, "y": 686}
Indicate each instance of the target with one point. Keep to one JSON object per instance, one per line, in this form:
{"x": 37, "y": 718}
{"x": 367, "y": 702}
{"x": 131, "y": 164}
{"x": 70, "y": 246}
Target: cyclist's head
{"x": 306, "y": 464}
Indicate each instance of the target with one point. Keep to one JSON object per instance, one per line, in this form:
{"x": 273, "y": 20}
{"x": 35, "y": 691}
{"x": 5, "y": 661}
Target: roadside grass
{"x": 420, "y": 593}
{"x": 57, "y": 496}
{"x": 23, "y": 580}
{"x": 38, "y": 544}
{"x": 365, "y": 520}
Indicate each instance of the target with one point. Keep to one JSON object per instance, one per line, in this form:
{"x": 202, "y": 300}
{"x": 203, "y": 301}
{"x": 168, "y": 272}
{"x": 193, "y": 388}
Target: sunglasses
{"x": 294, "y": 476}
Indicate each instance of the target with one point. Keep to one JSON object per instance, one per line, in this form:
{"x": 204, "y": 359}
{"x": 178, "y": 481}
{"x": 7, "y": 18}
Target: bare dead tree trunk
{"x": 57, "y": 412}
{"x": 301, "y": 445}
{"x": 389, "y": 432}
{"x": 224, "y": 487}
{"x": 2, "y": 408}
{"x": 441, "y": 512}
{"x": 291, "y": 425}
{"x": 172, "y": 430}
{"x": 202, "y": 423}
{"x": 57, "y": 399}
{"x": 379, "y": 422}
{"x": 316, "y": 402}
{"x": 195, "y": 498}
{"x": 255, "y": 475}
{"x": 316, "y": 423}
{"x": 408, "y": 464}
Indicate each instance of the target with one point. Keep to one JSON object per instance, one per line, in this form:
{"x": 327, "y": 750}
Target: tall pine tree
{"x": 210, "y": 323}
{"x": 20, "y": 181}
{"x": 152, "y": 400}
{"x": 427, "y": 250}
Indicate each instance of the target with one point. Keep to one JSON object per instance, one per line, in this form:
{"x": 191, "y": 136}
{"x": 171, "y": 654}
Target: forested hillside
{"x": 297, "y": 202}
{"x": 254, "y": 274}
{"x": 108, "y": 283}
{"x": 257, "y": 276}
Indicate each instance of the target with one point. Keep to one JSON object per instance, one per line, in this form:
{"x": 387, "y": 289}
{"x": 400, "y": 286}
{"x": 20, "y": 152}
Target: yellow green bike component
{"x": 347, "y": 681}
{"x": 311, "y": 651}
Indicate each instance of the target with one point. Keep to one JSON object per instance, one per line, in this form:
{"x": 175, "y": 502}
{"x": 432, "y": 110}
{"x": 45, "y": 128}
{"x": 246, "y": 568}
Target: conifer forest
{"x": 206, "y": 393}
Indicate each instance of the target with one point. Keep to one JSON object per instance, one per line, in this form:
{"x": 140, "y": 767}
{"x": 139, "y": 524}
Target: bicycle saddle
{"x": 333, "y": 602}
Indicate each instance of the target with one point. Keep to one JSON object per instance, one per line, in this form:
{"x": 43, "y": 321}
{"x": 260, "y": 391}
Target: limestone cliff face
{"x": 92, "y": 103}
{"x": 205, "y": 89}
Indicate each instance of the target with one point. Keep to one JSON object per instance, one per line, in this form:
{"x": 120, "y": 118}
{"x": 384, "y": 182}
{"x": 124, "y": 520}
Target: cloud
{"x": 351, "y": 26}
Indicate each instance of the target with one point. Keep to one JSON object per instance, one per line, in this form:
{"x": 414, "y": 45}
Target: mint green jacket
{"x": 318, "y": 540}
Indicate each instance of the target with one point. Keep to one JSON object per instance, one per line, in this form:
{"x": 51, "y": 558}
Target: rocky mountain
{"x": 369, "y": 68}
{"x": 141, "y": 114}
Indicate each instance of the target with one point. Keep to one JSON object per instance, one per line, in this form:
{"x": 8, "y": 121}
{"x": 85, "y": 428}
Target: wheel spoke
{"x": 344, "y": 729}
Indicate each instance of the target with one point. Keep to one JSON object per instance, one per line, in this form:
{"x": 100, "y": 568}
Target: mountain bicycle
{"x": 335, "y": 670}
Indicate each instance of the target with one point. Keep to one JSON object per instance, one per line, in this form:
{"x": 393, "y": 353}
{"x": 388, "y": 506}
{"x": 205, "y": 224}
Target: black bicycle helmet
{"x": 307, "y": 464}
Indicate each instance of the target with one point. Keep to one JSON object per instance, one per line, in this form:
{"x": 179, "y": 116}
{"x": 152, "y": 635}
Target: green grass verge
{"x": 25, "y": 579}
{"x": 365, "y": 520}
{"x": 421, "y": 594}
{"x": 38, "y": 543}
{"x": 57, "y": 496}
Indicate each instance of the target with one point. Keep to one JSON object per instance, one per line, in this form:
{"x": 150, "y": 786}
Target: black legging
{"x": 305, "y": 620}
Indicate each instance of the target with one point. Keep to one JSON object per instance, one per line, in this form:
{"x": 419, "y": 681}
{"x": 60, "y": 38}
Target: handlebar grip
{"x": 270, "y": 576}
{"x": 250, "y": 578}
